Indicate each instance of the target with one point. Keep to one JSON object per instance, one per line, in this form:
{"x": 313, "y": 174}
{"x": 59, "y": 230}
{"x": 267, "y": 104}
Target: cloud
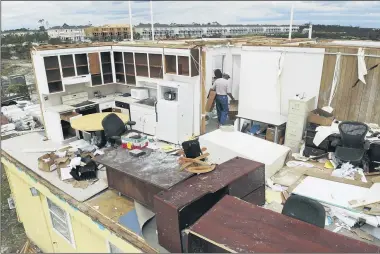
{"x": 16, "y": 14}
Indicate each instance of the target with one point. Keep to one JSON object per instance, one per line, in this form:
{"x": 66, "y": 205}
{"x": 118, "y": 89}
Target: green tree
{"x": 20, "y": 89}
{"x": 55, "y": 41}
{"x": 136, "y": 36}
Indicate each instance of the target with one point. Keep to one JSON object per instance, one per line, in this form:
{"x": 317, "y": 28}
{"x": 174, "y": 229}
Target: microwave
{"x": 139, "y": 93}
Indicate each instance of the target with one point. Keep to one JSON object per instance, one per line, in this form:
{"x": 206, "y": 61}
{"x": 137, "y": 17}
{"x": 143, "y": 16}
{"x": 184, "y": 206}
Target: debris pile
{"x": 24, "y": 116}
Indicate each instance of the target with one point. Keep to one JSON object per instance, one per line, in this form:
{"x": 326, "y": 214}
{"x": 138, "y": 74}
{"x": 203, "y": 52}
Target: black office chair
{"x": 352, "y": 145}
{"x": 114, "y": 128}
{"x": 305, "y": 209}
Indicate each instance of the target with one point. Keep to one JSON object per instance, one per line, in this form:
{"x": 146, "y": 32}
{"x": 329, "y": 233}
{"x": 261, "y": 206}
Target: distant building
{"x": 108, "y": 32}
{"x": 19, "y": 32}
{"x": 162, "y": 31}
{"x": 67, "y": 33}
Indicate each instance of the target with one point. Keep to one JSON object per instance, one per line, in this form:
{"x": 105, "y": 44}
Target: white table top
{"x": 265, "y": 117}
{"x": 15, "y": 147}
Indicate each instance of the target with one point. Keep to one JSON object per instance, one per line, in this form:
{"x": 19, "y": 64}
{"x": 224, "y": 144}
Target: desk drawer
{"x": 296, "y": 121}
{"x": 293, "y": 136}
{"x": 295, "y": 131}
{"x": 293, "y": 144}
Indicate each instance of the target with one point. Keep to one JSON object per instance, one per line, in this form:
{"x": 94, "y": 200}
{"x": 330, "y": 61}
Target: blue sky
{"x": 16, "y": 14}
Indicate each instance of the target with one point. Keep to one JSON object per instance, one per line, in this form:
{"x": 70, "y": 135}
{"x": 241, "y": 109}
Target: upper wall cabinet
{"x": 67, "y": 64}
{"x": 106, "y": 67}
{"x": 53, "y": 74}
{"x": 81, "y": 64}
{"x": 183, "y": 65}
{"x": 119, "y": 64}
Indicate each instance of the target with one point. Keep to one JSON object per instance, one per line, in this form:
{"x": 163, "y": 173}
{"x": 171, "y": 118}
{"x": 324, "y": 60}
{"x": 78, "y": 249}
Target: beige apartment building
{"x": 108, "y": 32}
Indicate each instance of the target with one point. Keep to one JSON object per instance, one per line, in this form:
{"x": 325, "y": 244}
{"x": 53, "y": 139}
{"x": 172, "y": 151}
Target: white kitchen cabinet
{"x": 145, "y": 119}
{"x": 106, "y": 105}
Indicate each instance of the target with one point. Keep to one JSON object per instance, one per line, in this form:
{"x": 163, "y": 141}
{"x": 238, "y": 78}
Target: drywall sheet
{"x": 329, "y": 192}
{"x": 263, "y": 88}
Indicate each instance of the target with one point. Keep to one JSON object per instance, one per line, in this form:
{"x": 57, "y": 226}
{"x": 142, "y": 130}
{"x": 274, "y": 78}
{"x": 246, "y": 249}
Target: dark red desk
{"x": 233, "y": 225}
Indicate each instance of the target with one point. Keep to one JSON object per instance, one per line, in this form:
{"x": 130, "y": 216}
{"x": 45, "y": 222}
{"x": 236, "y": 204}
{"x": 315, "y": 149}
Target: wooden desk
{"x": 141, "y": 177}
{"x": 233, "y": 225}
{"x": 275, "y": 119}
{"x": 93, "y": 122}
{"x": 186, "y": 202}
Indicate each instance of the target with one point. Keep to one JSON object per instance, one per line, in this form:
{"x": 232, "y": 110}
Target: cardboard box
{"x": 321, "y": 117}
{"x": 210, "y": 100}
{"x": 270, "y": 135}
{"x": 233, "y": 109}
{"x": 47, "y": 162}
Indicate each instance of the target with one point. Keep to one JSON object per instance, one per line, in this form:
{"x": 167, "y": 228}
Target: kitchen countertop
{"x": 64, "y": 108}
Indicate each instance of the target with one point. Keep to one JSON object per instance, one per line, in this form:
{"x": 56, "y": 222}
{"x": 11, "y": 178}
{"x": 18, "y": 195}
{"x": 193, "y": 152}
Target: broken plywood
{"x": 111, "y": 205}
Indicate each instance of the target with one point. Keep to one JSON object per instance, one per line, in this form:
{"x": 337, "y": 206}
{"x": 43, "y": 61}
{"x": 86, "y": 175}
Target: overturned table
{"x": 140, "y": 178}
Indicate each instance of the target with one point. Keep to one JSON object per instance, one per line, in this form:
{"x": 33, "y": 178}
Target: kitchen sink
{"x": 149, "y": 101}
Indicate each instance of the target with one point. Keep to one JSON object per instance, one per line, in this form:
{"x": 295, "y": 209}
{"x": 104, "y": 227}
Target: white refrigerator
{"x": 174, "y": 111}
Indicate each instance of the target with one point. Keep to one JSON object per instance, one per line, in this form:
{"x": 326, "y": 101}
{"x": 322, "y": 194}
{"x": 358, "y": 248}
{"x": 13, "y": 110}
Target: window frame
{"x": 68, "y": 222}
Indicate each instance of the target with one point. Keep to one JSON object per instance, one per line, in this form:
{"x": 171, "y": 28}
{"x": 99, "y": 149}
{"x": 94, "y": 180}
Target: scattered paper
{"x": 46, "y": 160}
{"x": 328, "y": 165}
{"x": 273, "y": 196}
{"x": 299, "y": 157}
{"x": 348, "y": 171}
{"x": 275, "y": 187}
{"x": 337, "y": 229}
{"x": 100, "y": 152}
{"x": 293, "y": 164}
{"x": 96, "y": 207}
{"x": 75, "y": 162}
{"x": 60, "y": 154}
{"x": 65, "y": 173}
{"x": 328, "y": 109}
{"x": 362, "y": 234}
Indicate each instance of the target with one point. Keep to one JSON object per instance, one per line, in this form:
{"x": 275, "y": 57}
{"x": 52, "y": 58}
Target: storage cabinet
{"x": 145, "y": 119}
{"x": 67, "y": 64}
{"x": 155, "y": 66}
{"x": 81, "y": 64}
{"x": 119, "y": 67}
{"x": 297, "y": 116}
{"x": 53, "y": 74}
{"x": 94, "y": 63}
{"x": 106, "y": 67}
{"x": 106, "y": 105}
{"x": 141, "y": 62}
{"x": 129, "y": 65}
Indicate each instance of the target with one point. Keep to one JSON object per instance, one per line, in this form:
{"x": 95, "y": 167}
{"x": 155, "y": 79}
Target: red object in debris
{"x": 3, "y": 120}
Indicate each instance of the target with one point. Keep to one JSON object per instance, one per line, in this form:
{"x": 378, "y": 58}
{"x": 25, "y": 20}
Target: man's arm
{"x": 229, "y": 90}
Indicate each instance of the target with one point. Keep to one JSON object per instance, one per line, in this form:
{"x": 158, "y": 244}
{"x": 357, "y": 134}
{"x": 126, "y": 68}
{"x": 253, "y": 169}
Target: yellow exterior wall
{"x": 33, "y": 212}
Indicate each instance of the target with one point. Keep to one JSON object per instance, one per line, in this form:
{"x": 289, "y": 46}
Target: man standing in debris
{"x": 222, "y": 88}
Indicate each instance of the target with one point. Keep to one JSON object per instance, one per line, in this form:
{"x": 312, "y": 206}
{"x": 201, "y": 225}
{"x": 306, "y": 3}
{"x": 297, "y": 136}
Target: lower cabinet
{"x": 145, "y": 119}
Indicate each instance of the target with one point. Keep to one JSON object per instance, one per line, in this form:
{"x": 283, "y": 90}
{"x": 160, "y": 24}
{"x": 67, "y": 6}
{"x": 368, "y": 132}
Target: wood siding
{"x": 359, "y": 103}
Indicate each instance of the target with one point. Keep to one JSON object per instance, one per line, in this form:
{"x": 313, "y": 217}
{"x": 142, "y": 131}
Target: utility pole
{"x": 151, "y": 18}
{"x": 310, "y": 30}
{"x": 291, "y": 22}
{"x": 130, "y": 19}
